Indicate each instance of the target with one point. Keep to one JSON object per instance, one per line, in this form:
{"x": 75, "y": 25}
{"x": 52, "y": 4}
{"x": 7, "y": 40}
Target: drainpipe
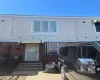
{"x": 9, "y": 50}
{"x": 81, "y": 51}
{"x": 58, "y": 48}
{"x": 76, "y": 29}
{"x": 12, "y": 26}
{"x": 76, "y": 52}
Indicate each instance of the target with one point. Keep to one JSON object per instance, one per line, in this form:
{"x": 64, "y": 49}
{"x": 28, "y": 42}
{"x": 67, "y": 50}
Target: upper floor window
{"x": 97, "y": 26}
{"x": 52, "y": 26}
{"x": 37, "y": 26}
{"x": 44, "y": 26}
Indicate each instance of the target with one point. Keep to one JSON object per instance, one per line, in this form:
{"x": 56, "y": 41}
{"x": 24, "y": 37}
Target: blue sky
{"x": 51, "y": 7}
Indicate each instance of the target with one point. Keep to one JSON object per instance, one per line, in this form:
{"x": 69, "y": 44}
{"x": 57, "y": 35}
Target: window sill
{"x": 44, "y": 33}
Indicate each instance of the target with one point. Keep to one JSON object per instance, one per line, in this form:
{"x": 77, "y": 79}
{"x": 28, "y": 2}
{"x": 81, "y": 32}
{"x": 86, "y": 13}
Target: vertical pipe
{"x": 81, "y": 51}
{"x": 58, "y": 48}
{"x": 87, "y": 51}
{"x": 76, "y": 52}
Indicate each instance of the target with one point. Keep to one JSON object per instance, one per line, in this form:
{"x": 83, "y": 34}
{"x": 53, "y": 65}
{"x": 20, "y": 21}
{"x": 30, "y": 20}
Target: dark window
{"x": 17, "y": 48}
{"x": 72, "y": 52}
{"x": 63, "y": 51}
{"x": 97, "y": 26}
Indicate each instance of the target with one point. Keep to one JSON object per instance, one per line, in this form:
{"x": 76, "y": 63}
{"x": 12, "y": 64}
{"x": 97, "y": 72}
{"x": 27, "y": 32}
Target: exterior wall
{"x": 44, "y": 58}
{"x": 17, "y": 52}
{"x": 8, "y": 49}
{"x": 23, "y": 25}
{"x": 16, "y": 28}
{"x": 86, "y": 31}
{"x": 6, "y": 23}
{"x": 4, "y": 48}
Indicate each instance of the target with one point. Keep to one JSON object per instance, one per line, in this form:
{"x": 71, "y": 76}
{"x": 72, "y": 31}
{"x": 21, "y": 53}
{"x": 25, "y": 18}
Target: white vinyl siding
{"x": 67, "y": 29}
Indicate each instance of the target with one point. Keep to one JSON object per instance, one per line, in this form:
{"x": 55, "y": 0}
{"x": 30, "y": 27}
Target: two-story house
{"x": 38, "y": 38}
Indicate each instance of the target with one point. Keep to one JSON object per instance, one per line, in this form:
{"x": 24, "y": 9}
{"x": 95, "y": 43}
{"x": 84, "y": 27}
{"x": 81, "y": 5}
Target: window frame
{"x": 43, "y": 33}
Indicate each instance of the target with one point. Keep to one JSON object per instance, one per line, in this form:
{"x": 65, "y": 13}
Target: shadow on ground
{"x": 17, "y": 75}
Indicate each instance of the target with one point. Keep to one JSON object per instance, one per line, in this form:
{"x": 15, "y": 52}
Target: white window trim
{"x": 43, "y": 33}
{"x": 97, "y": 33}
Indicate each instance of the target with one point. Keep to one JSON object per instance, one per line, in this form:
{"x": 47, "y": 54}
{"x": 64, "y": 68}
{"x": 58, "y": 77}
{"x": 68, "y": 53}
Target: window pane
{"x": 44, "y": 26}
{"x": 97, "y": 26}
{"x": 52, "y": 26}
{"x": 36, "y": 25}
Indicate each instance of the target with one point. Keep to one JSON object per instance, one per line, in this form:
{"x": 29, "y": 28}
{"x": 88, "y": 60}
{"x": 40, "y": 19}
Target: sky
{"x": 51, "y": 7}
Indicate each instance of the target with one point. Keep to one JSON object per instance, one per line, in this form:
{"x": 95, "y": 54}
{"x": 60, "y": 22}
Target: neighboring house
{"x": 38, "y": 38}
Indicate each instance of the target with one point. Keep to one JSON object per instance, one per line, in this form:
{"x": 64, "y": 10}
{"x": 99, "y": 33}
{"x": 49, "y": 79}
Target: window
{"x": 52, "y": 26}
{"x": 17, "y": 48}
{"x": 51, "y": 48}
{"x": 97, "y": 26}
{"x": 44, "y": 26}
{"x": 37, "y": 26}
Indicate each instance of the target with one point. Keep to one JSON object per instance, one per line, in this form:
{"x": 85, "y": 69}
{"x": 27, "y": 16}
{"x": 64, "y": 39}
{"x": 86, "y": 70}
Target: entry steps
{"x": 29, "y": 66}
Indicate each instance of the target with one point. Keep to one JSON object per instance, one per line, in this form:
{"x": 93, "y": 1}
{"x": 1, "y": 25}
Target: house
{"x": 38, "y": 38}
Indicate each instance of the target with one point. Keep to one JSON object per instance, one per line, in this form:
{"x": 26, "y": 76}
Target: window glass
{"x": 36, "y": 25}
{"x": 52, "y": 26}
{"x": 97, "y": 26}
{"x": 45, "y": 26}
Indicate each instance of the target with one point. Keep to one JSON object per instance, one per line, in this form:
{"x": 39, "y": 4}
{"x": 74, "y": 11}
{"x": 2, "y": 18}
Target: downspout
{"x": 12, "y": 26}
{"x": 9, "y": 50}
{"x": 76, "y": 29}
{"x": 81, "y": 51}
{"x": 58, "y": 48}
{"x": 77, "y": 52}
{"x": 9, "y": 47}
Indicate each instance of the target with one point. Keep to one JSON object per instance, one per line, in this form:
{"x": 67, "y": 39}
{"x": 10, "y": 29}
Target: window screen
{"x": 36, "y": 25}
{"x": 45, "y": 26}
{"x": 52, "y": 26}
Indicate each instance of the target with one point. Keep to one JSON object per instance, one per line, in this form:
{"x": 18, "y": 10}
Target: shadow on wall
{"x": 8, "y": 64}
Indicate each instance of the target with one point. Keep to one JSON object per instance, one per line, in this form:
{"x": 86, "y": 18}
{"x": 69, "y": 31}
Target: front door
{"x": 32, "y": 52}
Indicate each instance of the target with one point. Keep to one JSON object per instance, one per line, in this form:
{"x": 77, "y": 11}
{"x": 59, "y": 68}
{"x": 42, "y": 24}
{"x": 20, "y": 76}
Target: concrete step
{"x": 24, "y": 69}
{"x": 29, "y": 66}
{"x": 30, "y": 63}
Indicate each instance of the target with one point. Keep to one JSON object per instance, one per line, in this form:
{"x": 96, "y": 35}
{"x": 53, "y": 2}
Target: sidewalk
{"x": 38, "y": 75}
{"x": 44, "y": 76}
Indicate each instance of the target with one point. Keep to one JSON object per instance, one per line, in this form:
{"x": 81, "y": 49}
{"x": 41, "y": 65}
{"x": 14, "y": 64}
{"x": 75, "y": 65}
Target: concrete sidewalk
{"x": 44, "y": 76}
{"x": 38, "y": 75}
